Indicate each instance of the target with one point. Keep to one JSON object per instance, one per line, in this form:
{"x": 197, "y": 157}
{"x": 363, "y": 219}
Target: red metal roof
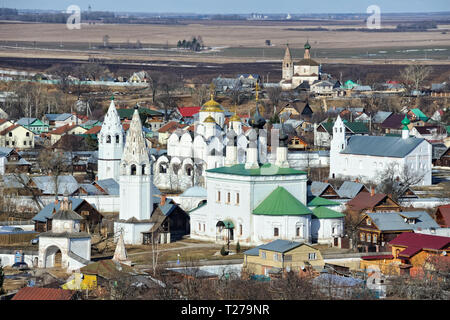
{"x": 171, "y": 126}
{"x": 10, "y": 128}
{"x": 415, "y": 242}
{"x": 445, "y": 212}
{"x": 365, "y": 200}
{"x": 32, "y": 293}
{"x": 63, "y": 129}
{"x": 188, "y": 111}
{"x": 94, "y": 130}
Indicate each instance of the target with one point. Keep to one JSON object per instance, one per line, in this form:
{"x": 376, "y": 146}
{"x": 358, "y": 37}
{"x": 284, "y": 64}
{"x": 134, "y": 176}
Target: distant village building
{"x": 305, "y": 70}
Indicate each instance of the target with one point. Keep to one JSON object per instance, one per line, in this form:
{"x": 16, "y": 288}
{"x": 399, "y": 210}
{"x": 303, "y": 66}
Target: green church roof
{"x": 419, "y": 114}
{"x": 281, "y": 203}
{"x": 319, "y": 201}
{"x": 326, "y": 213}
{"x": 265, "y": 170}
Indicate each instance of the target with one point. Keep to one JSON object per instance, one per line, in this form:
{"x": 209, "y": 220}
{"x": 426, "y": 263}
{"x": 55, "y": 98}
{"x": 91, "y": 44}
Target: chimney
{"x": 372, "y": 191}
{"x": 163, "y": 199}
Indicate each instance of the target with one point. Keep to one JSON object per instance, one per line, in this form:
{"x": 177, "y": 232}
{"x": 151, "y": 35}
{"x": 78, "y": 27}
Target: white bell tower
{"x": 135, "y": 175}
{"x": 110, "y": 145}
{"x": 338, "y": 143}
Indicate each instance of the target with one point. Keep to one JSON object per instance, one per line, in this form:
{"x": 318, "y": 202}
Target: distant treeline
{"x": 407, "y": 27}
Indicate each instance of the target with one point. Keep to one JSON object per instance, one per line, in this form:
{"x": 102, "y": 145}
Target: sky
{"x": 235, "y": 6}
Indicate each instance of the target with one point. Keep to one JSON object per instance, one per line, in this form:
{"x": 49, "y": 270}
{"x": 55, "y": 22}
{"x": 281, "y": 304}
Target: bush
{"x": 223, "y": 252}
{"x": 238, "y": 247}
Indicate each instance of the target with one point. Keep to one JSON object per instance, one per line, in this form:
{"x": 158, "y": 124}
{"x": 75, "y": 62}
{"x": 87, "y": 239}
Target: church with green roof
{"x": 255, "y": 203}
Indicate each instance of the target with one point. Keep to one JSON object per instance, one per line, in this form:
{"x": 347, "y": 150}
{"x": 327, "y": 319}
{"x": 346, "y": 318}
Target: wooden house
{"x": 376, "y": 229}
{"x": 411, "y": 253}
{"x": 280, "y": 256}
{"x": 372, "y": 202}
{"x": 443, "y": 216}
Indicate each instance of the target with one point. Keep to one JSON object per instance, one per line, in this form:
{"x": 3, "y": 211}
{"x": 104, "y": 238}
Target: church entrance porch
{"x": 53, "y": 257}
{"x": 225, "y": 232}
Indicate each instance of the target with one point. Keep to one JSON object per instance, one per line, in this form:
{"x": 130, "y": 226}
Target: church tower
{"x": 338, "y": 143}
{"x": 110, "y": 145}
{"x": 288, "y": 65}
{"x": 307, "y": 54}
{"x": 135, "y": 175}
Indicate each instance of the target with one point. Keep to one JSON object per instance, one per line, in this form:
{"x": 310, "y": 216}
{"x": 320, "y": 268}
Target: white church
{"x": 294, "y": 74}
{"x": 366, "y": 157}
{"x": 256, "y": 202}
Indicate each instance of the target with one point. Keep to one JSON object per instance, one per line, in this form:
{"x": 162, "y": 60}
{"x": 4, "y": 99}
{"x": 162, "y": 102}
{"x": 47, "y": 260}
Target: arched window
{"x": 108, "y": 139}
{"x": 117, "y": 138}
{"x": 133, "y": 169}
{"x": 162, "y": 168}
{"x": 143, "y": 169}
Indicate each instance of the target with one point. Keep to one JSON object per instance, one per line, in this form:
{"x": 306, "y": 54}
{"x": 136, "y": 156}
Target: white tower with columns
{"x": 110, "y": 145}
{"x": 136, "y": 201}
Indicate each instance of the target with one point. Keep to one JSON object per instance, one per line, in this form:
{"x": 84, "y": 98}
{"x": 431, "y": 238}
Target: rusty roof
{"x": 32, "y": 293}
{"x": 364, "y": 200}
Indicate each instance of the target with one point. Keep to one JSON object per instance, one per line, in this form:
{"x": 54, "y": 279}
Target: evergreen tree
{"x": 238, "y": 247}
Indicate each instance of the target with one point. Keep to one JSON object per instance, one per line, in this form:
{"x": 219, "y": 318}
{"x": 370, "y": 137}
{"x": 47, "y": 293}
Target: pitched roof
{"x": 108, "y": 269}
{"x": 109, "y": 185}
{"x": 391, "y": 221}
{"x": 279, "y": 203}
{"x": 278, "y": 245}
{"x": 35, "y": 293}
{"x": 171, "y": 126}
{"x": 320, "y": 202}
{"x": 326, "y": 213}
{"x": 10, "y": 128}
{"x": 381, "y": 146}
{"x": 445, "y": 211}
{"x": 57, "y": 116}
{"x": 188, "y": 111}
{"x": 318, "y": 187}
{"x": 393, "y": 121}
{"x": 63, "y": 129}
{"x": 94, "y": 130}
{"x": 380, "y": 116}
{"x": 265, "y": 170}
{"x": 47, "y": 211}
{"x": 419, "y": 114}
{"x": 47, "y": 184}
{"x": 365, "y": 200}
{"x": 418, "y": 241}
{"x": 349, "y": 189}
{"x": 30, "y": 121}
{"x": 67, "y": 215}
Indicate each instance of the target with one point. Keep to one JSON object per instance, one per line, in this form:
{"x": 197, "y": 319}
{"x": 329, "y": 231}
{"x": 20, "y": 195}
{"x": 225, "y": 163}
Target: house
{"x": 325, "y": 87}
{"x": 92, "y": 218}
{"x": 4, "y": 123}
{"x": 443, "y": 216}
{"x": 165, "y": 131}
{"x": 46, "y": 184}
{"x": 60, "y": 131}
{"x": 296, "y": 143}
{"x": 376, "y": 229}
{"x": 372, "y": 202}
{"x": 17, "y": 137}
{"x": 411, "y": 254}
{"x": 139, "y": 77}
{"x": 248, "y": 80}
{"x": 56, "y": 120}
{"x": 430, "y": 133}
{"x": 170, "y": 223}
{"x": 392, "y": 124}
{"x": 350, "y": 189}
{"x": 323, "y": 133}
{"x": 297, "y": 110}
{"x": 90, "y": 124}
{"x": 36, "y": 293}
{"x": 33, "y": 124}
{"x": 322, "y": 189}
{"x": 281, "y": 256}
{"x": 417, "y": 117}
{"x": 11, "y": 161}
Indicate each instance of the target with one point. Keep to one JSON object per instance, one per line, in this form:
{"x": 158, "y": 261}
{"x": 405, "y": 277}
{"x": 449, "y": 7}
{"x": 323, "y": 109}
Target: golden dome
{"x": 235, "y": 117}
{"x": 211, "y": 106}
{"x": 209, "y": 119}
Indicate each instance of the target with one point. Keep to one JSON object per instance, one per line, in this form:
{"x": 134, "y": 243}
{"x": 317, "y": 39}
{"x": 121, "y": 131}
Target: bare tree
{"x": 236, "y": 94}
{"x": 153, "y": 83}
{"x": 168, "y": 83}
{"x": 24, "y": 181}
{"x": 397, "y": 180}
{"x": 200, "y": 95}
{"x": 274, "y": 94}
{"x": 413, "y": 76}
{"x": 54, "y": 164}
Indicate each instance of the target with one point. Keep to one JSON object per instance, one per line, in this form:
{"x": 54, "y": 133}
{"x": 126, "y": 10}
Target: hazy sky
{"x": 236, "y": 6}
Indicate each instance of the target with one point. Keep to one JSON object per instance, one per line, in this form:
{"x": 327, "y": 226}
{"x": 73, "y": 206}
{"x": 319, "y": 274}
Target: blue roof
{"x": 5, "y": 151}
{"x": 276, "y": 245}
{"x": 387, "y": 221}
{"x": 381, "y": 146}
{"x": 47, "y": 211}
{"x": 47, "y": 184}
{"x": 317, "y": 188}
{"x": 109, "y": 185}
{"x": 90, "y": 189}
{"x": 10, "y": 181}
{"x": 349, "y": 189}
{"x": 327, "y": 278}
{"x": 167, "y": 208}
{"x": 25, "y": 121}
{"x": 57, "y": 116}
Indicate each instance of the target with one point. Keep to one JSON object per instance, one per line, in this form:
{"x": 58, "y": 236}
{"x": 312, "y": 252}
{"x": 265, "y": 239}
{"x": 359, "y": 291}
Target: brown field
{"x": 249, "y": 35}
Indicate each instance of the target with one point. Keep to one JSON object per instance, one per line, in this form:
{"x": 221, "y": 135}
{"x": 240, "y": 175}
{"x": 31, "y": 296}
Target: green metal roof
{"x": 265, "y": 170}
{"x": 128, "y": 113}
{"x": 326, "y": 213}
{"x": 319, "y": 201}
{"x": 420, "y": 114}
{"x": 228, "y": 224}
{"x": 448, "y": 129}
{"x": 281, "y": 203}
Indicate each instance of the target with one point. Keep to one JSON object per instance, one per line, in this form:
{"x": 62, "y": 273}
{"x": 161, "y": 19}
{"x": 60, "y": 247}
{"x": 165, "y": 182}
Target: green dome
{"x": 406, "y": 121}
{"x": 307, "y": 46}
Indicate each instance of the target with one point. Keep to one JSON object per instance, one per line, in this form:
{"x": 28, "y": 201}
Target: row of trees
{"x": 195, "y": 44}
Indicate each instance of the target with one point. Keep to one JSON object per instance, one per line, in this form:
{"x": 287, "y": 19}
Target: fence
{"x": 19, "y": 237}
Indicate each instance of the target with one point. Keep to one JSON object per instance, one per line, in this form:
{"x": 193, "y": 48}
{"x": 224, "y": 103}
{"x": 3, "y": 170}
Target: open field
{"x": 230, "y": 41}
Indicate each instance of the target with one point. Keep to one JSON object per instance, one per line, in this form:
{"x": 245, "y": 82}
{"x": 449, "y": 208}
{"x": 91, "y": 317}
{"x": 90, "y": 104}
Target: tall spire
{"x": 287, "y": 55}
{"x": 135, "y": 150}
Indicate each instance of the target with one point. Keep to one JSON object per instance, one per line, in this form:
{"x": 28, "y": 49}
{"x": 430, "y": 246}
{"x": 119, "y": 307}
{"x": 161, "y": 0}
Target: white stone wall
{"x": 322, "y": 229}
{"x": 136, "y": 197}
{"x": 7, "y": 259}
{"x": 264, "y": 225}
{"x": 132, "y": 232}
{"x": 81, "y": 247}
